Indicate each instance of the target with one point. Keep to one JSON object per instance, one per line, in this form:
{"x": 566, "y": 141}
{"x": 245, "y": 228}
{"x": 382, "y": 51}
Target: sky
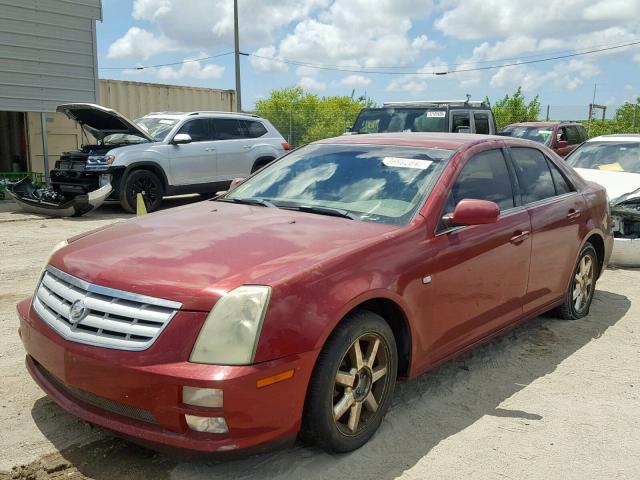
{"x": 387, "y": 50}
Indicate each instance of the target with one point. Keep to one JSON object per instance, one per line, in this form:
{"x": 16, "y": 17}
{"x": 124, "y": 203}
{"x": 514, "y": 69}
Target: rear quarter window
{"x": 255, "y": 129}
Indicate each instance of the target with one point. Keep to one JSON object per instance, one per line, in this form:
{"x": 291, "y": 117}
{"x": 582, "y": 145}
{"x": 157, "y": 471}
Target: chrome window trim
{"x": 112, "y": 292}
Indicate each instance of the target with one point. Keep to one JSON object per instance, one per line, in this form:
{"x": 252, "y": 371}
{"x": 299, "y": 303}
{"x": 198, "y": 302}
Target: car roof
{"x": 542, "y": 124}
{"x": 617, "y": 137}
{"x": 446, "y": 141}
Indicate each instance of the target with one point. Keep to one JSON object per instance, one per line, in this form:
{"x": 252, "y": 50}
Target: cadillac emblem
{"x": 77, "y": 311}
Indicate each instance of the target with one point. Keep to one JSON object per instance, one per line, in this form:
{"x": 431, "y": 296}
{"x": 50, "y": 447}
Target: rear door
{"x": 478, "y": 279}
{"x": 234, "y": 148}
{"x": 195, "y": 162}
{"x": 555, "y": 210}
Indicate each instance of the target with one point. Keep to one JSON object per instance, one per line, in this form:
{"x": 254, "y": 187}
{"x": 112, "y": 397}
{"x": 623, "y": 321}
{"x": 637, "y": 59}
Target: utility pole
{"x": 595, "y": 86}
{"x": 236, "y": 39}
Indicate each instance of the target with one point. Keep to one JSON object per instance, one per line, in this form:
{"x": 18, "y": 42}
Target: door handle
{"x": 573, "y": 214}
{"x": 519, "y": 237}
{"x": 209, "y": 149}
{"x": 247, "y": 147}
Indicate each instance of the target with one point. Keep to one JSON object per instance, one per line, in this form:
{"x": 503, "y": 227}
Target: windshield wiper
{"x": 333, "y": 212}
{"x": 248, "y": 201}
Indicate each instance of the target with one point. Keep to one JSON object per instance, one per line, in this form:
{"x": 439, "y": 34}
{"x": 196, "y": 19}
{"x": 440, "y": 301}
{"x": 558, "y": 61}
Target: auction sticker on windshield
{"x": 406, "y": 163}
{"x": 436, "y": 114}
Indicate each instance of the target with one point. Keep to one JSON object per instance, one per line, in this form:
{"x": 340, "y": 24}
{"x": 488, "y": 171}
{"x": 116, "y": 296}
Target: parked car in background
{"x": 458, "y": 116}
{"x": 293, "y": 302}
{"x": 561, "y": 137}
{"x": 163, "y": 153}
{"x": 613, "y": 161}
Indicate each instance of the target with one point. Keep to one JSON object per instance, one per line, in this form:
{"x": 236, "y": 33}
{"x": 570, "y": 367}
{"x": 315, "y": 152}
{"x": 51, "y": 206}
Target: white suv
{"x": 163, "y": 153}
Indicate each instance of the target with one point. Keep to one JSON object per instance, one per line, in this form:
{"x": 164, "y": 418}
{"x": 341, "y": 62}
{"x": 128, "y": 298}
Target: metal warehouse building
{"x": 48, "y": 57}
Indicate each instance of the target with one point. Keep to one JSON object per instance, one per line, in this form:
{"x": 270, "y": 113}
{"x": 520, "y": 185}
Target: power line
{"x": 339, "y": 68}
{"x": 167, "y": 64}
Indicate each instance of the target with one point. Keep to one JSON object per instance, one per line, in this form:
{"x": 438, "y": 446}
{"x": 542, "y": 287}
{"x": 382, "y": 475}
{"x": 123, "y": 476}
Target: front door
{"x": 479, "y": 276}
{"x": 235, "y": 156}
{"x": 556, "y": 211}
{"x": 195, "y": 162}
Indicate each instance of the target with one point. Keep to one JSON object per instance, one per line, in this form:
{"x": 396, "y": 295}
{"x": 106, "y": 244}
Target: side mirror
{"x": 235, "y": 182}
{"x": 474, "y": 212}
{"x": 562, "y": 144}
{"x": 463, "y": 130}
{"x": 181, "y": 138}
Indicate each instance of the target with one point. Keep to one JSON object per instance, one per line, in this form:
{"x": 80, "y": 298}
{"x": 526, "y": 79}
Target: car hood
{"x": 619, "y": 185}
{"x": 100, "y": 121}
{"x": 196, "y": 253}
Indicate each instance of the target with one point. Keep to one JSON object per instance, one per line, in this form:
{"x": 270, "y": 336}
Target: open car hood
{"x": 621, "y": 186}
{"x": 100, "y": 121}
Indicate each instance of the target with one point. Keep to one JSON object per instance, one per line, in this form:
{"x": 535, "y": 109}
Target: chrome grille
{"x": 113, "y": 318}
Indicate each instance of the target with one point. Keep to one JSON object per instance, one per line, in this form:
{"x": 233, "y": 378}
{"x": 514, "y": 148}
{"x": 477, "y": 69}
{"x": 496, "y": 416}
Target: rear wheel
{"x": 352, "y": 384}
{"x": 581, "y": 287}
{"x": 259, "y": 163}
{"x": 145, "y": 182}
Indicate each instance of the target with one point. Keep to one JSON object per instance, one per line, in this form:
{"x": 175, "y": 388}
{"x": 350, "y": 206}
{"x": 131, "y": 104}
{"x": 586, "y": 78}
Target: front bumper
{"x": 77, "y": 206}
{"x": 626, "y": 252}
{"x": 143, "y": 401}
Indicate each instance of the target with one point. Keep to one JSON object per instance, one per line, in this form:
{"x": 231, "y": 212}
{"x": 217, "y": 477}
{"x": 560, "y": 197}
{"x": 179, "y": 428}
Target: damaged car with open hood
{"x": 613, "y": 161}
{"x": 160, "y": 154}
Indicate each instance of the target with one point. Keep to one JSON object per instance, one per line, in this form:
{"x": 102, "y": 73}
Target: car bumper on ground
{"x": 144, "y": 402}
{"x": 626, "y": 252}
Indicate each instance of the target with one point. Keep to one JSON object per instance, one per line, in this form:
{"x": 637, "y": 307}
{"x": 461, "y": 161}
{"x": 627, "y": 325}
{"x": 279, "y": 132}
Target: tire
{"x": 141, "y": 181}
{"x": 579, "y": 294}
{"x": 363, "y": 405}
{"x": 261, "y": 162}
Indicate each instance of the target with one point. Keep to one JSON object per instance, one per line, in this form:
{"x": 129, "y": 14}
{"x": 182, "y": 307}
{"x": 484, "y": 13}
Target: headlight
{"x": 230, "y": 333}
{"x": 100, "y": 159}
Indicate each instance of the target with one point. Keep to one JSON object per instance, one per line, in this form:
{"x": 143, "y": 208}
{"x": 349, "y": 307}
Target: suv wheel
{"x": 261, "y": 162}
{"x": 145, "y": 182}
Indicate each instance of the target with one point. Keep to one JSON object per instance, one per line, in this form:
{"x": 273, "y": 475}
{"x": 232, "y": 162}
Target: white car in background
{"x": 613, "y": 161}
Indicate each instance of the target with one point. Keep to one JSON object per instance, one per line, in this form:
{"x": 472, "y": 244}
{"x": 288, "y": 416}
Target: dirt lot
{"x": 549, "y": 400}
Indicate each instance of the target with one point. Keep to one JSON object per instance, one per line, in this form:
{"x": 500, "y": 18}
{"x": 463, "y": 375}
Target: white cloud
{"x": 422, "y": 43}
{"x": 139, "y": 44}
{"x": 310, "y": 83}
{"x": 191, "y": 69}
{"x": 356, "y": 81}
{"x": 264, "y": 64}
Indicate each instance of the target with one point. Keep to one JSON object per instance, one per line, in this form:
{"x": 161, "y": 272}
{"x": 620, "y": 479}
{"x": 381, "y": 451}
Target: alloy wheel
{"x": 360, "y": 384}
{"x": 583, "y": 283}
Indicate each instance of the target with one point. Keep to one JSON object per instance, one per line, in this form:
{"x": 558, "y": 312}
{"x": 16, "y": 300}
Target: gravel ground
{"x": 548, "y": 400}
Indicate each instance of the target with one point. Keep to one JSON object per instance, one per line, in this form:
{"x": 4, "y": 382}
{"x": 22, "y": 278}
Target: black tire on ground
{"x": 579, "y": 294}
{"x": 141, "y": 181}
{"x": 261, "y": 162}
{"x": 329, "y": 392}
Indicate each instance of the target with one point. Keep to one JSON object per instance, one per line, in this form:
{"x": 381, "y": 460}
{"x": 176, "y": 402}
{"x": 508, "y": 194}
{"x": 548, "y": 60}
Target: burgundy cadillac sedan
{"x": 292, "y": 304}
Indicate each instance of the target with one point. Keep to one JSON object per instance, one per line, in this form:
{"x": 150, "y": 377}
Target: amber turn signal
{"x": 264, "y": 382}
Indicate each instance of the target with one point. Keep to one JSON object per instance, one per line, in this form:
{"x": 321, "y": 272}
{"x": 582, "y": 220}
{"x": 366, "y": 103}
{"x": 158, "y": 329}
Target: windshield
{"x": 383, "y": 184}
{"x": 537, "y": 134}
{"x": 157, "y": 128}
{"x": 380, "y": 120}
{"x": 614, "y": 156}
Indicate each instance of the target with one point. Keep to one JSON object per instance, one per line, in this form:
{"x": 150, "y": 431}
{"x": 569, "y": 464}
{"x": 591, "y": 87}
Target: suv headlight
{"x": 230, "y": 333}
{"x": 101, "y": 159}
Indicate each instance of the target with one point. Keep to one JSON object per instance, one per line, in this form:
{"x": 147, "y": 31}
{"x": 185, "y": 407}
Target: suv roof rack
{"x": 222, "y": 112}
{"x": 438, "y": 103}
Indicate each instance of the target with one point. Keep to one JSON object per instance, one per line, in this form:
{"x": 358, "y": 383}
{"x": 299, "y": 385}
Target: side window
{"x": 460, "y": 120}
{"x": 583, "y": 133}
{"x": 560, "y": 182}
{"x": 481, "y": 120}
{"x": 533, "y": 174}
{"x": 255, "y": 129}
{"x": 229, "y": 129}
{"x": 198, "y": 130}
{"x": 573, "y": 136}
{"x": 484, "y": 177}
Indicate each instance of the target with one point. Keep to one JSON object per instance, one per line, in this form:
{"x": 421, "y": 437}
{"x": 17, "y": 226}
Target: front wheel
{"x": 144, "y": 182}
{"x": 581, "y": 287}
{"x": 352, "y": 384}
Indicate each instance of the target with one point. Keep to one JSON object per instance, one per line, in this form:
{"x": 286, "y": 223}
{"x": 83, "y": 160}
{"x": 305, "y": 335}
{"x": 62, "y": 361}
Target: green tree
{"x": 515, "y": 109}
{"x": 626, "y": 120}
{"x": 302, "y": 117}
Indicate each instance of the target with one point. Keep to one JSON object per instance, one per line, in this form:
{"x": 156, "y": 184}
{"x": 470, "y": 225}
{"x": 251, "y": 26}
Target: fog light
{"x": 202, "y": 397}
{"x": 207, "y": 424}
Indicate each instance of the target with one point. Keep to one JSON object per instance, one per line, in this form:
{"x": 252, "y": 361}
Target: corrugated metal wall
{"x": 48, "y": 54}
{"x": 133, "y": 100}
